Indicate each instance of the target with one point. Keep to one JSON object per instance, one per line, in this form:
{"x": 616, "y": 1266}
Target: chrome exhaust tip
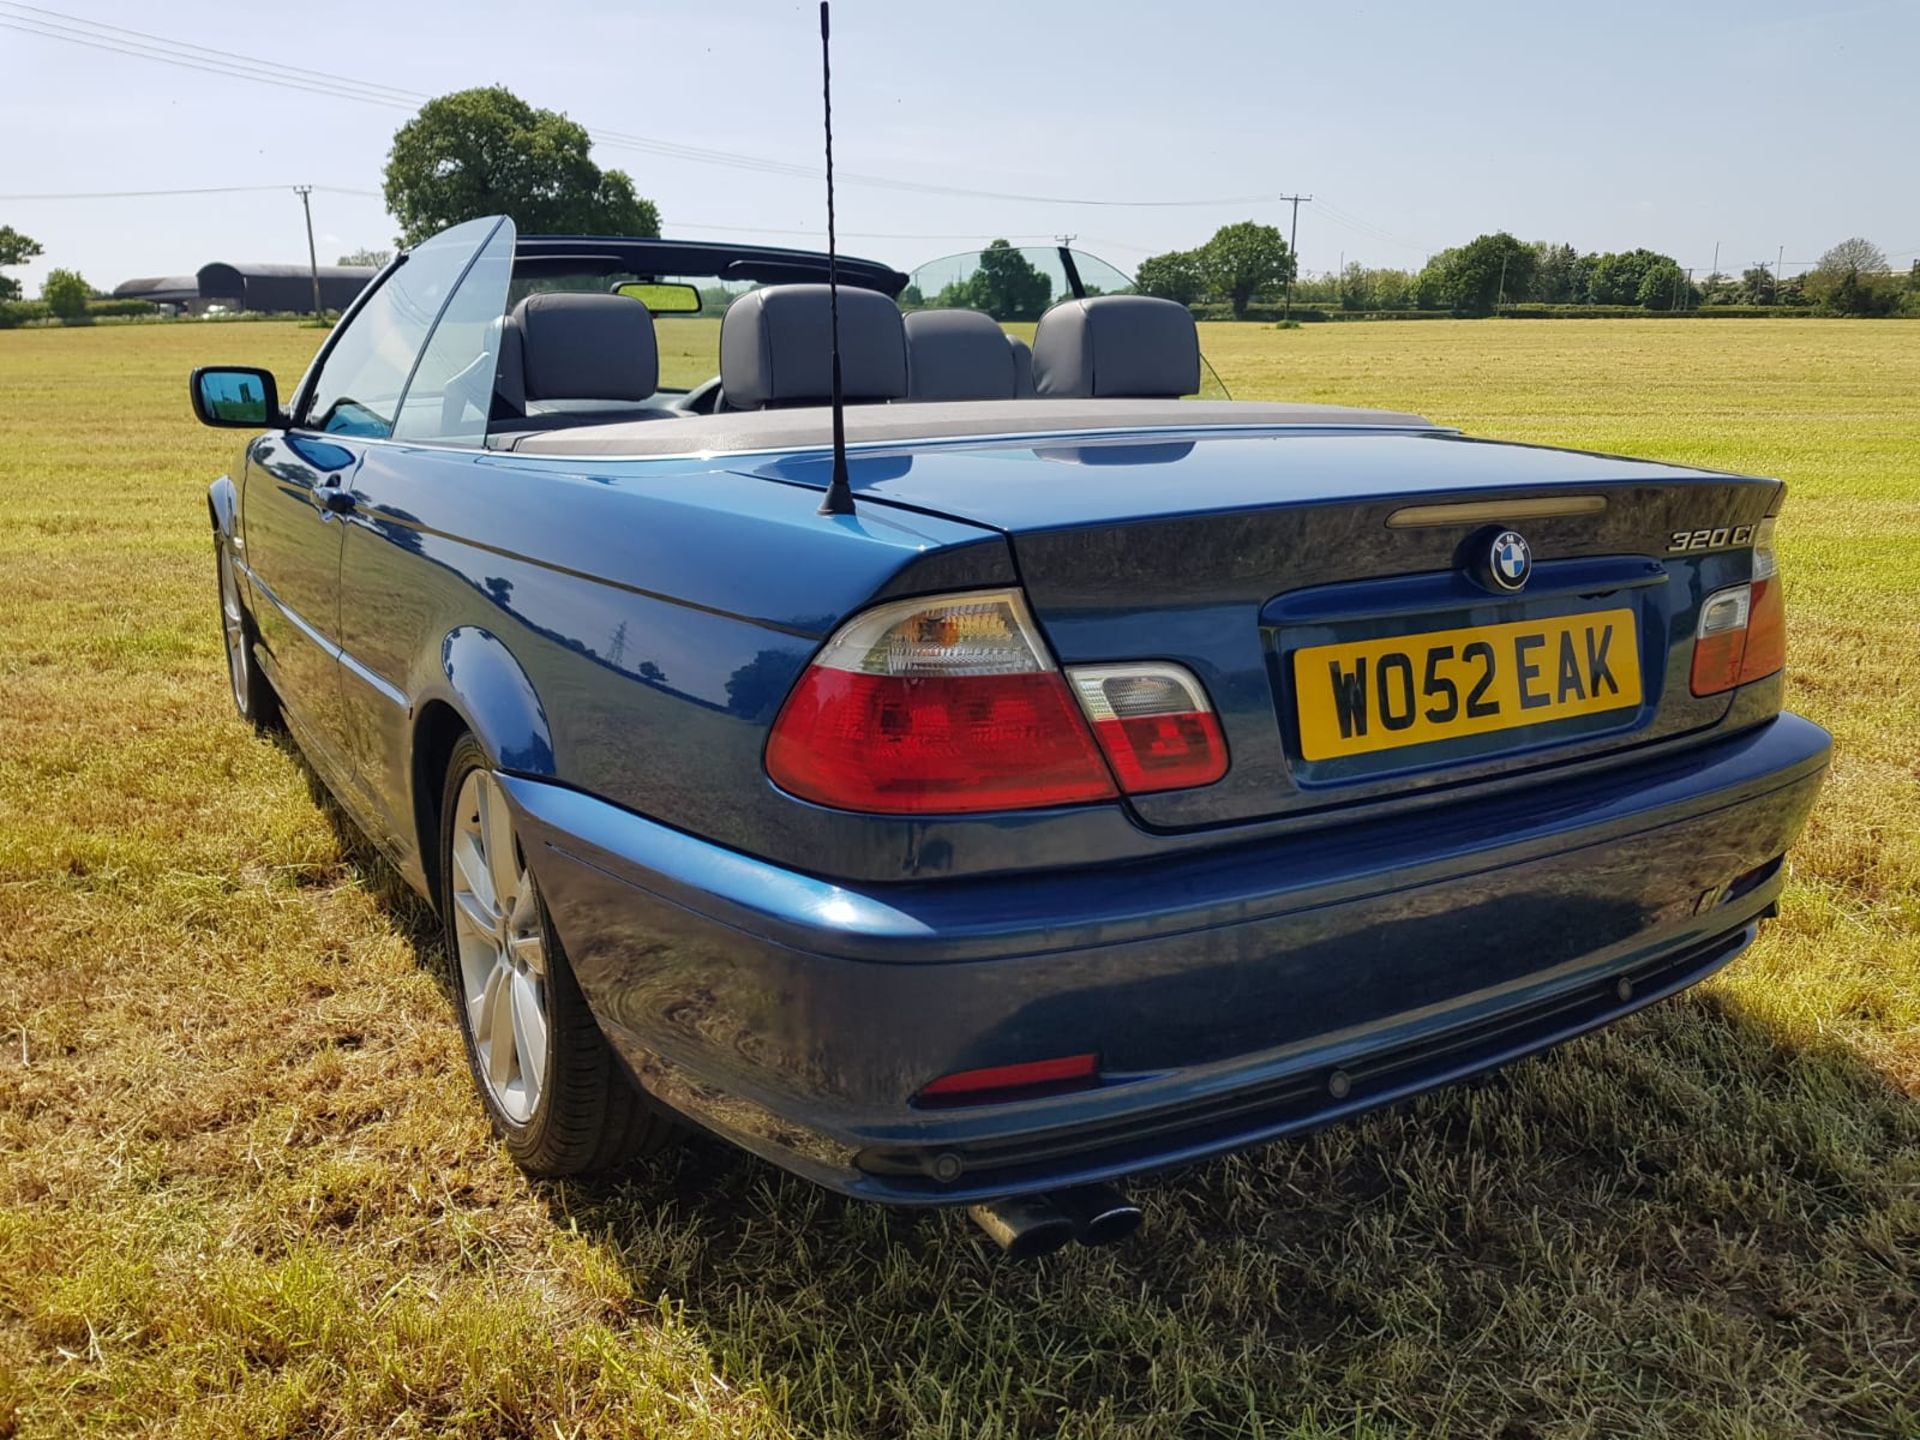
{"x": 1025, "y": 1227}
{"x": 1100, "y": 1215}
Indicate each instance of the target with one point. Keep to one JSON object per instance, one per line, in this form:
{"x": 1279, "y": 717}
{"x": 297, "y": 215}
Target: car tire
{"x": 253, "y": 695}
{"x": 556, "y": 1093}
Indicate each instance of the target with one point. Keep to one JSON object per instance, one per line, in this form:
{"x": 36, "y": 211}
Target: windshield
{"x": 1016, "y": 284}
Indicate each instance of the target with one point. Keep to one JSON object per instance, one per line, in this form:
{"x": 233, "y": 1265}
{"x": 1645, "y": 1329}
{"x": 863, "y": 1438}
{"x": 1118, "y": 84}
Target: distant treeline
{"x": 1498, "y": 273}
{"x": 26, "y": 312}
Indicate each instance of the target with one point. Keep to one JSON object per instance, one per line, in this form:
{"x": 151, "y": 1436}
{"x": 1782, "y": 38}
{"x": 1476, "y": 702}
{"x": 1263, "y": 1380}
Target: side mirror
{"x": 235, "y": 397}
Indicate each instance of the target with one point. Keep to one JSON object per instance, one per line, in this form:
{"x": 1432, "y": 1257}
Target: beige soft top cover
{"x": 810, "y": 428}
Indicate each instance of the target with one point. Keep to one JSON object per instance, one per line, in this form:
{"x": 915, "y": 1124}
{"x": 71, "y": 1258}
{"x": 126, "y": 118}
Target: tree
{"x": 1356, "y": 287}
{"x": 1473, "y": 279}
{"x": 1009, "y": 286}
{"x": 1362, "y": 288}
{"x": 1617, "y": 278}
{"x": 1665, "y": 287}
{"x": 1244, "y": 259}
{"x": 15, "y": 249}
{"x": 1757, "y": 286}
{"x": 488, "y": 152}
{"x": 1172, "y": 276}
{"x": 1430, "y": 286}
{"x": 1556, "y": 274}
{"x": 375, "y": 258}
{"x": 1853, "y": 279}
{"x": 66, "y": 294}
{"x": 1005, "y": 285}
{"x": 1856, "y": 254}
{"x": 1391, "y": 289}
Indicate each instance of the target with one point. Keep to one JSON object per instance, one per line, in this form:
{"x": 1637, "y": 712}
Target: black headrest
{"x": 1117, "y": 347}
{"x": 775, "y": 347}
{"x": 958, "y": 355}
{"x": 586, "y": 346}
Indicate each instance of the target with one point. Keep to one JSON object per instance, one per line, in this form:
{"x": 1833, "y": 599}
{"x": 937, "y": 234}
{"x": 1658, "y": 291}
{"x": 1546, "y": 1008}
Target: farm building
{"x": 281, "y": 288}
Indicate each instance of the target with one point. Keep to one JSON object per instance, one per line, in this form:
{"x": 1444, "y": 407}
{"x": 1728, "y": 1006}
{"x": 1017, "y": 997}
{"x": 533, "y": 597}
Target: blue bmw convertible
{"x": 1123, "y": 777}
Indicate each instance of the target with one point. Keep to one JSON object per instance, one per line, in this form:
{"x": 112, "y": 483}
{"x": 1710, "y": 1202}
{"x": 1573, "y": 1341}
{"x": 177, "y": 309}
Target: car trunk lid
{"x": 1289, "y": 567}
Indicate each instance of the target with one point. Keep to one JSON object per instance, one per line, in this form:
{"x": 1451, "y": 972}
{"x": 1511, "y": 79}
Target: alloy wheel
{"x": 503, "y": 957}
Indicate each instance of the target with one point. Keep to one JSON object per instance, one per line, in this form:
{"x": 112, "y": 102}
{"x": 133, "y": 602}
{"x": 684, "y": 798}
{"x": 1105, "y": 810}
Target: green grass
{"x": 244, "y": 1189}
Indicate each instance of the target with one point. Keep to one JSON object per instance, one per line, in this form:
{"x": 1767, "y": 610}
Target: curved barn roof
{"x": 236, "y": 273}
{"x": 162, "y": 289}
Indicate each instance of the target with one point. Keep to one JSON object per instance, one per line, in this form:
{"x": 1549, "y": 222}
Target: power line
{"x": 56, "y": 17}
{"x": 1347, "y": 220}
{"x": 29, "y": 26}
{"x": 137, "y": 44}
{"x": 195, "y": 190}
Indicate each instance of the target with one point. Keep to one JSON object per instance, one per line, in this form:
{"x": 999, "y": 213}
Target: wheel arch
{"x": 223, "y": 506}
{"x": 482, "y": 690}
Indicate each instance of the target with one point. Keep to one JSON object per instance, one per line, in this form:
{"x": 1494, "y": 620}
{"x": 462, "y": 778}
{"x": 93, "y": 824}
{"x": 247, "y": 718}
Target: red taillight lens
{"x": 1767, "y": 620}
{"x": 1154, "y": 724}
{"x": 998, "y": 1083}
{"x": 896, "y": 744}
{"x": 1742, "y": 635}
{"x": 936, "y": 706}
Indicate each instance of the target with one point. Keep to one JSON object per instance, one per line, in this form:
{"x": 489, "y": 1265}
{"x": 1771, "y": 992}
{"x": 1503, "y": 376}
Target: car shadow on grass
{"x": 412, "y": 916}
{"x": 1680, "y": 1225}
{"x": 1683, "y": 1209}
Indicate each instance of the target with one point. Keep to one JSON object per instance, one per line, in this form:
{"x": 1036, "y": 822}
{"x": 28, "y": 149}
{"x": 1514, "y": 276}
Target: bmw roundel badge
{"x": 1509, "y": 560}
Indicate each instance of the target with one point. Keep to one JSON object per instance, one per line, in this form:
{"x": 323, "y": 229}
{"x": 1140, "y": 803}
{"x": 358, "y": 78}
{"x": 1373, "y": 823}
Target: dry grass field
{"x": 244, "y": 1190}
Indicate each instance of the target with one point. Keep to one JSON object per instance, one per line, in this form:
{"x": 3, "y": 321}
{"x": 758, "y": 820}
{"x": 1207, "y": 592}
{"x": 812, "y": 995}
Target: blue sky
{"x": 1415, "y": 125}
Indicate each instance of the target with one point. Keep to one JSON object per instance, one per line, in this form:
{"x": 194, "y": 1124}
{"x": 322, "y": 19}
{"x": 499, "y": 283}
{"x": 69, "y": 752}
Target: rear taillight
{"x": 1154, "y": 723}
{"x": 937, "y": 705}
{"x": 954, "y": 704}
{"x": 1742, "y": 634}
{"x": 1767, "y": 621}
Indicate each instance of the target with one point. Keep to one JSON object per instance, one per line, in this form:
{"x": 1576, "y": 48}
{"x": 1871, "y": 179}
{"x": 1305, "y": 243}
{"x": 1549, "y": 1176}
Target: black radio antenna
{"x": 839, "y": 498}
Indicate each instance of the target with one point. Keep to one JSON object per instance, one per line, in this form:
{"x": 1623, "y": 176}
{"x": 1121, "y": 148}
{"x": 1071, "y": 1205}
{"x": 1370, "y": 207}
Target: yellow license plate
{"x": 1366, "y": 695}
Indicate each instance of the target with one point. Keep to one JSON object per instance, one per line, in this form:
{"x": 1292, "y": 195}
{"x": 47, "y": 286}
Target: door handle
{"x": 337, "y": 501}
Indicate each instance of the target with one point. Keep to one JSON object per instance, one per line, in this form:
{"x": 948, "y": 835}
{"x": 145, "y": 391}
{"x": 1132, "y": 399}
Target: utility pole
{"x": 1716, "y": 261}
{"x": 1501, "y": 298}
{"x": 313, "y": 259}
{"x": 1293, "y": 248}
{"x": 1779, "y": 266}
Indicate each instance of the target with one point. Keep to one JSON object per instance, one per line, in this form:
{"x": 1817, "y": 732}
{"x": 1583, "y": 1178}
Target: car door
{"x": 299, "y": 484}
{"x": 293, "y": 556}
{"x": 402, "y": 567}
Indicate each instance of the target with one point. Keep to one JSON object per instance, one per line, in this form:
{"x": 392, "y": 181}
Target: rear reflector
{"x": 1154, "y": 723}
{"x": 1742, "y": 634}
{"x": 942, "y": 705}
{"x": 1000, "y": 1083}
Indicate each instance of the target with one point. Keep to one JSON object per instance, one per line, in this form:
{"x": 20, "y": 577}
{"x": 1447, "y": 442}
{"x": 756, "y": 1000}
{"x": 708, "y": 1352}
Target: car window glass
{"x": 1017, "y": 284}
{"x": 357, "y": 391}
{"x": 451, "y": 395}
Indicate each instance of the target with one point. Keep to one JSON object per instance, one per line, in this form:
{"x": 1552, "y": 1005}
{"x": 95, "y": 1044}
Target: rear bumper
{"x": 1222, "y": 989}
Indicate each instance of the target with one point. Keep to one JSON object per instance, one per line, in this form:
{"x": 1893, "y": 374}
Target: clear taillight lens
{"x": 1742, "y": 633}
{"x": 939, "y": 705}
{"x": 1154, "y": 723}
